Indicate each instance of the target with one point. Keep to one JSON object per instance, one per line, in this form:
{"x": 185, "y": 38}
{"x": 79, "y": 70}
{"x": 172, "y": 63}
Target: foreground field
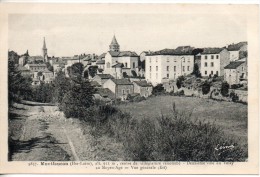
{"x": 230, "y": 117}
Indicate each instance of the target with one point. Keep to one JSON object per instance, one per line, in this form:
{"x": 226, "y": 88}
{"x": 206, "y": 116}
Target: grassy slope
{"x": 231, "y": 117}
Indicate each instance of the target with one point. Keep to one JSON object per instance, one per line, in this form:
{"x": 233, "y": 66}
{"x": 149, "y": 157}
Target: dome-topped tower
{"x": 114, "y": 46}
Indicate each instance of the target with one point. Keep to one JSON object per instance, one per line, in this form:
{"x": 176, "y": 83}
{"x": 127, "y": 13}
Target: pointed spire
{"x": 44, "y": 44}
{"x": 114, "y": 41}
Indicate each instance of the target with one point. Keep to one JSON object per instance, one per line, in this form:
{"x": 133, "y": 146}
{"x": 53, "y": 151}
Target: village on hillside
{"x": 181, "y": 104}
{"x": 122, "y": 74}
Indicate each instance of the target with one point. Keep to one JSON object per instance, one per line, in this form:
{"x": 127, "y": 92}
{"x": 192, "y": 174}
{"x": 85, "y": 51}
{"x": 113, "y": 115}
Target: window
{"x": 126, "y": 65}
{"x": 206, "y": 57}
{"x": 150, "y": 68}
{"x": 206, "y": 72}
{"x": 212, "y": 56}
{"x": 188, "y": 68}
{"x": 212, "y": 64}
{"x": 167, "y": 68}
{"x": 168, "y": 59}
{"x": 183, "y": 68}
{"x": 123, "y": 91}
{"x": 211, "y": 72}
{"x": 127, "y": 91}
{"x": 174, "y": 60}
{"x": 167, "y": 76}
{"x": 206, "y": 64}
{"x": 133, "y": 65}
{"x": 156, "y": 68}
{"x": 188, "y": 60}
{"x": 217, "y": 57}
{"x": 174, "y": 68}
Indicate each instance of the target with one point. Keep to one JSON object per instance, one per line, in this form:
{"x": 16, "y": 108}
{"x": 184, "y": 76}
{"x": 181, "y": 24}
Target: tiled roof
{"x": 143, "y": 83}
{"x": 182, "y": 50}
{"x": 123, "y": 54}
{"x": 36, "y": 64}
{"x": 102, "y": 56}
{"x": 233, "y": 65}
{"x": 235, "y": 47}
{"x": 22, "y": 68}
{"x": 100, "y": 62}
{"x": 105, "y": 92}
{"x": 95, "y": 83}
{"x": 114, "y": 41}
{"x": 212, "y": 50}
{"x": 122, "y": 81}
{"x": 105, "y": 76}
{"x": 118, "y": 65}
{"x": 35, "y": 57}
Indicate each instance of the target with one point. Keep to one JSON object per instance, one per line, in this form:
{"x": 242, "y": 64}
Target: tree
{"x": 78, "y": 98}
{"x": 179, "y": 81}
{"x": 224, "y": 89}
{"x": 196, "y": 71}
{"x": 76, "y": 70}
{"x": 92, "y": 70}
{"x": 205, "y": 88}
{"x": 19, "y": 87}
{"x": 133, "y": 73}
{"x": 125, "y": 75}
{"x": 61, "y": 86}
{"x": 49, "y": 67}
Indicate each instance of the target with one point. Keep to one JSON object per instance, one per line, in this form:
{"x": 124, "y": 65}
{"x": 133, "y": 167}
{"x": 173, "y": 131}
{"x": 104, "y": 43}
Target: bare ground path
{"x": 41, "y": 133}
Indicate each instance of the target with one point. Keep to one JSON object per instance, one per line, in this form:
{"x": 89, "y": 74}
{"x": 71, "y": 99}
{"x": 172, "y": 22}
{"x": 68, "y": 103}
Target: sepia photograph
{"x": 166, "y": 88}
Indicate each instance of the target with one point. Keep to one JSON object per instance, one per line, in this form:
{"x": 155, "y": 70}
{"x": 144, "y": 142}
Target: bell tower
{"x": 44, "y": 51}
{"x": 114, "y": 46}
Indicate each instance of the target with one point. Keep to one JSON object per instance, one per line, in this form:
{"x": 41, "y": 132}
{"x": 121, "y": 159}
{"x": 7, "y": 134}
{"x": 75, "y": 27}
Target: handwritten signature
{"x": 219, "y": 147}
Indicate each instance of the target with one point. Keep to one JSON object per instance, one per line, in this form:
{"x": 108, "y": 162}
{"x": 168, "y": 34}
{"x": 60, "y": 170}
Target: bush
{"x": 179, "y": 81}
{"x": 205, "y": 88}
{"x": 179, "y": 93}
{"x": 158, "y": 89}
{"x": 224, "y": 89}
{"x": 234, "y": 96}
{"x": 236, "y": 86}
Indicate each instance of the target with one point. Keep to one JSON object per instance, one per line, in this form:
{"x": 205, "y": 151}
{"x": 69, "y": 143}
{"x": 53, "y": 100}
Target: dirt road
{"x": 41, "y": 133}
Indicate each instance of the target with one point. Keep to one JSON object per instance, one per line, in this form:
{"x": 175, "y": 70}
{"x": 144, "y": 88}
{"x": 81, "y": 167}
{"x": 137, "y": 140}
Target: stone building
{"x": 235, "y": 50}
{"x": 213, "y": 61}
{"x": 102, "y": 78}
{"x": 168, "y": 64}
{"x": 235, "y": 72}
{"x": 143, "y": 88}
{"x": 120, "y": 87}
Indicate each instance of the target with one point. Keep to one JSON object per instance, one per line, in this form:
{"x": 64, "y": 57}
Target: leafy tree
{"x": 196, "y": 70}
{"x": 76, "y": 70}
{"x": 42, "y": 93}
{"x": 224, "y": 89}
{"x": 125, "y": 75}
{"x": 19, "y": 87}
{"x": 78, "y": 98}
{"x": 39, "y": 74}
{"x": 92, "y": 70}
{"x": 205, "y": 88}
{"x": 49, "y": 67}
{"x": 133, "y": 73}
{"x": 85, "y": 74}
{"x": 61, "y": 85}
{"x": 179, "y": 81}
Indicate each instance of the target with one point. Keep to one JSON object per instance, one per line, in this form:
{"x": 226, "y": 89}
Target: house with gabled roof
{"x": 235, "y": 50}
{"x": 143, "y": 88}
{"x": 235, "y": 72}
{"x": 102, "y": 78}
{"x": 213, "y": 61}
{"x": 168, "y": 64}
{"x": 120, "y": 87}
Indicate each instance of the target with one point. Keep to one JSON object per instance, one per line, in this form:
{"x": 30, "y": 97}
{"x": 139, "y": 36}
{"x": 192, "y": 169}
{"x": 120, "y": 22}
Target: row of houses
{"x": 113, "y": 88}
{"x": 156, "y": 67}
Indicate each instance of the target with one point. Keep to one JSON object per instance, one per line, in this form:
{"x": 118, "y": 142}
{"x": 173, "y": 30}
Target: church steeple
{"x": 44, "y": 50}
{"x": 114, "y": 46}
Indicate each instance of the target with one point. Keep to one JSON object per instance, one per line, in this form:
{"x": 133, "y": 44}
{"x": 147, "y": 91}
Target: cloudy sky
{"x": 68, "y": 35}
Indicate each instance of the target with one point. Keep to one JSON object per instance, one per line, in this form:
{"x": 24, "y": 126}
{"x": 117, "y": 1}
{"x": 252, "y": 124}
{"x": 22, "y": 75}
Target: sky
{"x": 72, "y": 34}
